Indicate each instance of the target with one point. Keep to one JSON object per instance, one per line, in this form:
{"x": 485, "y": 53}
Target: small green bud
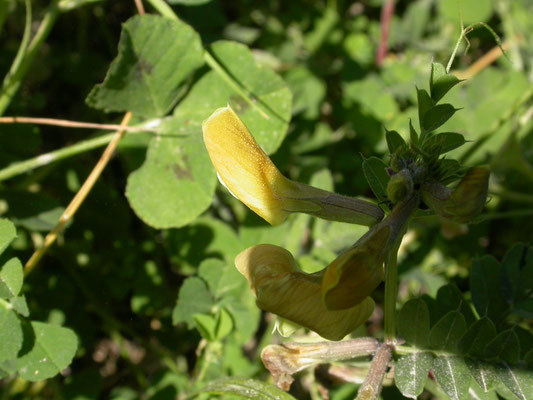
{"x": 400, "y": 186}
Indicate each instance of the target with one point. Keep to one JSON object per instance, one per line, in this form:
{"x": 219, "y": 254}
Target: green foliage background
{"x": 140, "y": 292}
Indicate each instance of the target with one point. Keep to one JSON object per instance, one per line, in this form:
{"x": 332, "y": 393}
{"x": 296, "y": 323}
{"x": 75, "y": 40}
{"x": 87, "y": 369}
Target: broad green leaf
{"x": 449, "y": 298}
{"x": 517, "y": 379}
{"x": 375, "y": 171}
{"x": 477, "y": 393}
{"x": 442, "y": 85}
{"x": 411, "y": 372}
{"x": 483, "y": 373}
{"x": 175, "y": 184}
{"x": 413, "y": 323}
{"x": 467, "y": 12}
{"x": 7, "y": 234}
{"x": 155, "y": 56}
{"x": 268, "y": 120}
{"x": 193, "y": 298}
{"x": 245, "y": 313}
{"x": 444, "y": 142}
{"x": 11, "y": 277}
{"x": 221, "y": 277}
{"x": 437, "y": 71}
{"x": 485, "y": 286}
{"x": 34, "y": 211}
{"x": 477, "y": 337}
{"x": 447, "y": 331}
{"x": 308, "y": 91}
{"x": 246, "y": 388}
{"x": 452, "y": 375}
{"x": 373, "y": 96}
{"x": 52, "y": 352}
{"x": 425, "y": 103}
{"x": 20, "y": 305}
{"x": 224, "y": 324}
{"x": 11, "y": 334}
{"x": 506, "y": 346}
{"x": 517, "y": 274}
{"x": 436, "y": 116}
{"x": 394, "y": 141}
{"x": 206, "y": 325}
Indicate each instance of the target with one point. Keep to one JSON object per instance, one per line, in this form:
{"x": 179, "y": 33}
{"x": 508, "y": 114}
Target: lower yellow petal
{"x": 281, "y": 288}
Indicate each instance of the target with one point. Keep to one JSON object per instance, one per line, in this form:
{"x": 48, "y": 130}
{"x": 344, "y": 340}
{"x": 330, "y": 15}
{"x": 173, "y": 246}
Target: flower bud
{"x": 464, "y": 202}
{"x": 251, "y": 176}
{"x": 400, "y": 186}
{"x": 281, "y": 288}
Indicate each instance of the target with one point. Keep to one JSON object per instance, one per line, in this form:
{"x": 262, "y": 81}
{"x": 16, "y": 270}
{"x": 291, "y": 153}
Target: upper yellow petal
{"x": 244, "y": 167}
{"x": 281, "y": 288}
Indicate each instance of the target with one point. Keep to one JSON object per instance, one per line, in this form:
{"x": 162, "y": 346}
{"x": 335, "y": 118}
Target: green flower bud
{"x": 400, "y": 186}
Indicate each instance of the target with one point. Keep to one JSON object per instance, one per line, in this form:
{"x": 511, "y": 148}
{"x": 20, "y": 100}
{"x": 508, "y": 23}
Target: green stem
{"x": 391, "y": 292}
{"x": 512, "y": 196}
{"x": 163, "y": 9}
{"x": 13, "y": 79}
{"x": 56, "y": 155}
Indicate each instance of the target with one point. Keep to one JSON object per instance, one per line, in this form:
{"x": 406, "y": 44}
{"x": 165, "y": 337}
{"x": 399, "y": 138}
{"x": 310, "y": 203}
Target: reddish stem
{"x": 387, "y": 11}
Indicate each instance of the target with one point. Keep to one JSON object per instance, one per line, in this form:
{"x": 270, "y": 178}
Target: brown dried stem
{"x": 78, "y": 199}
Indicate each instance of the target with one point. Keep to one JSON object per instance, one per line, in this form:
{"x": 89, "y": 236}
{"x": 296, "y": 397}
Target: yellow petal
{"x": 281, "y": 288}
{"x": 352, "y": 276}
{"x": 244, "y": 167}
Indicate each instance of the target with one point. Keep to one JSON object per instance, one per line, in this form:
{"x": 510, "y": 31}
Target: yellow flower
{"x": 283, "y": 289}
{"x": 464, "y": 202}
{"x": 354, "y": 275}
{"x": 251, "y": 176}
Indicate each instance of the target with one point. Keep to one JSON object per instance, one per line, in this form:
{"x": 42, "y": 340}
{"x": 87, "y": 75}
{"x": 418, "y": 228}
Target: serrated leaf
{"x": 485, "y": 287}
{"x": 52, "y": 352}
{"x": 175, "y": 184}
{"x": 394, "y": 141}
{"x": 444, "y": 142}
{"x": 442, "y": 85}
{"x": 413, "y": 323}
{"x": 476, "y": 393}
{"x": 506, "y": 346}
{"x": 193, "y": 298}
{"x": 7, "y": 234}
{"x": 477, "y": 337}
{"x": 11, "y": 277}
{"x": 452, "y": 375}
{"x": 447, "y": 331}
{"x": 436, "y": 116}
{"x": 425, "y": 103}
{"x": 247, "y": 388}
{"x": 11, "y": 334}
{"x": 375, "y": 171}
{"x": 411, "y": 372}
{"x": 517, "y": 380}
{"x": 483, "y": 373}
{"x": 267, "y": 121}
{"x": 155, "y": 56}
{"x": 206, "y": 325}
